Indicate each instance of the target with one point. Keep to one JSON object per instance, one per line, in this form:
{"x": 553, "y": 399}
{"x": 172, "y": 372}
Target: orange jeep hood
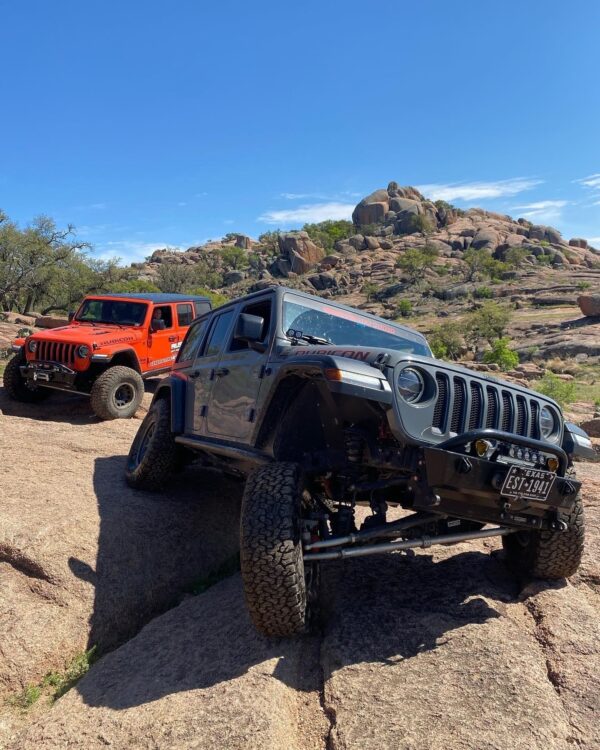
{"x": 101, "y": 335}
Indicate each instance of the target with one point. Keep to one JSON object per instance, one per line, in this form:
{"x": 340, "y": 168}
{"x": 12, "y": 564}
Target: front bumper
{"x": 466, "y": 486}
{"x": 51, "y": 374}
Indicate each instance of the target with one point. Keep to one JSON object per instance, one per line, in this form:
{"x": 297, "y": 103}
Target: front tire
{"x": 17, "y": 387}
{"x": 117, "y": 393}
{"x": 271, "y": 550}
{"x": 551, "y": 555}
{"x": 153, "y": 456}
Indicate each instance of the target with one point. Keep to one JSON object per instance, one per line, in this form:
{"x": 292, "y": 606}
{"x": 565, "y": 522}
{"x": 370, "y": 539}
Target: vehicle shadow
{"x": 405, "y": 605}
{"x": 65, "y": 407}
{"x": 154, "y": 546}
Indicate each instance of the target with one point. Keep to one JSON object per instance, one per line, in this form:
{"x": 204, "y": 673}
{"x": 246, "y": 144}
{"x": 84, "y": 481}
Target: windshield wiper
{"x": 297, "y": 336}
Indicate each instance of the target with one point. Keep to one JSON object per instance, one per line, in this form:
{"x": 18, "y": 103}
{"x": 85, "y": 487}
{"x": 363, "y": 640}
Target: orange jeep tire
{"x": 17, "y": 388}
{"x": 117, "y": 393}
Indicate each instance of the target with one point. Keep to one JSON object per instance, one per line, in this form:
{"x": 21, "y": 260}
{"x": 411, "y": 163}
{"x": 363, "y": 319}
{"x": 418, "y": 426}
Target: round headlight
{"x": 411, "y": 385}
{"x": 547, "y": 422}
{"x": 32, "y": 346}
{"x": 83, "y": 351}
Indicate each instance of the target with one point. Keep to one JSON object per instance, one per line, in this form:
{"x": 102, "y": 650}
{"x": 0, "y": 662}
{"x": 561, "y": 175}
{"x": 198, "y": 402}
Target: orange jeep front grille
{"x": 54, "y": 351}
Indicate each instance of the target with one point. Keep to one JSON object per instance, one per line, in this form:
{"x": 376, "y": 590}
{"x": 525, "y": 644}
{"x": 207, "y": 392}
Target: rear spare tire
{"x": 154, "y": 454}
{"x": 117, "y": 393}
{"x": 17, "y": 387}
{"x": 272, "y": 567}
{"x": 548, "y": 554}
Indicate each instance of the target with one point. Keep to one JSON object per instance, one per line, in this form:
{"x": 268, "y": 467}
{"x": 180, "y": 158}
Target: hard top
{"x": 281, "y": 290}
{"x": 154, "y": 297}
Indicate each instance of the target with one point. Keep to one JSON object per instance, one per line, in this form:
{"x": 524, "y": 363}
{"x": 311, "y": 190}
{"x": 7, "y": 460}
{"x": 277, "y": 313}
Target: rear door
{"x": 201, "y": 375}
{"x": 237, "y": 380}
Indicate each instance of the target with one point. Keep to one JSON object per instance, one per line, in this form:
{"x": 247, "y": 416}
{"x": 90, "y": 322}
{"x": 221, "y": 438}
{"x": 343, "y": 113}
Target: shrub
{"x": 479, "y": 264}
{"x": 420, "y": 223}
{"x": 583, "y": 285}
{"x": 544, "y": 259}
{"x": 515, "y": 256}
{"x": 414, "y": 261}
{"x": 446, "y": 341}
{"x": 367, "y": 229}
{"x": 483, "y": 292}
{"x": 562, "y": 391}
{"x": 270, "y": 241}
{"x": 502, "y": 355}
{"x": 405, "y": 308}
{"x": 133, "y": 285}
{"x": 369, "y": 289}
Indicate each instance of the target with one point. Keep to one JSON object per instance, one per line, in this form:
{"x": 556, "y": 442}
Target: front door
{"x": 162, "y": 342}
{"x": 237, "y": 380}
{"x": 201, "y": 375}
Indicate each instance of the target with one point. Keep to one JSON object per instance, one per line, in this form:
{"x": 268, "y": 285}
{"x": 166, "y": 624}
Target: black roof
{"x": 155, "y": 297}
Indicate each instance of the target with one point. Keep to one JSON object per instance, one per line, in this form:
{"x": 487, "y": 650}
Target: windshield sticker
{"x": 363, "y": 356}
{"x": 356, "y": 318}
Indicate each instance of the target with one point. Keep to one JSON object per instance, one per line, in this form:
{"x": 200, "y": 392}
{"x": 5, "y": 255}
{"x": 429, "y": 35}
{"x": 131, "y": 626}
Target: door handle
{"x": 220, "y": 372}
{"x": 172, "y": 338}
{"x": 194, "y": 375}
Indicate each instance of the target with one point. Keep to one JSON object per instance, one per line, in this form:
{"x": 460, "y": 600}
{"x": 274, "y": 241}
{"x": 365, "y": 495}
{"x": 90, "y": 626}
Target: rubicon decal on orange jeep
{"x": 95, "y": 356}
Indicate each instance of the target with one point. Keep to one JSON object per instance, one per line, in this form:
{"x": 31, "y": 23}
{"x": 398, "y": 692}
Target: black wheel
{"x": 548, "y": 554}
{"x": 117, "y": 393}
{"x": 154, "y": 454}
{"x": 277, "y": 588}
{"x": 18, "y": 388}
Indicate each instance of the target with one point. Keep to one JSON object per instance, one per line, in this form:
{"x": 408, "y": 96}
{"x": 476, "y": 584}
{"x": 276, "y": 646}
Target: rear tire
{"x": 551, "y": 555}
{"x": 117, "y": 393}
{"x": 273, "y": 571}
{"x": 17, "y": 387}
{"x": 154, "y": 455}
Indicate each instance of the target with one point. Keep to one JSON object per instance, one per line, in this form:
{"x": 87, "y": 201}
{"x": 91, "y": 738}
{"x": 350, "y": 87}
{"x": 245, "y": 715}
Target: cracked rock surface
{"x": 440, "y": 649}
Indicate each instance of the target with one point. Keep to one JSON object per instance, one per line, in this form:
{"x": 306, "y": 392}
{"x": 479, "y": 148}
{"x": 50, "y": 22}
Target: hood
{"x": 99, "y": 336}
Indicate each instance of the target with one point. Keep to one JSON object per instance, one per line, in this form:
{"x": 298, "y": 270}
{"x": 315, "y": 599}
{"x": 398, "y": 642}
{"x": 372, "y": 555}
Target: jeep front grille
{"x": 464, "y": 404}
{"x": 54, "y": 351}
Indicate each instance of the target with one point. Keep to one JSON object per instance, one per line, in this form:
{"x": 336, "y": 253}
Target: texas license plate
{"x": 527, "y": 484}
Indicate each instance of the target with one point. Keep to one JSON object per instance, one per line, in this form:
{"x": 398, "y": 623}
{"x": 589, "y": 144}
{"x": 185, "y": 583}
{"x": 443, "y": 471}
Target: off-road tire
{"x": 154, "y": 455}
{"x": 551, "y": 555}
{"x": 108, "y": 386}
{"x": 271, "y": 550}
{"x": 16, "y": 386}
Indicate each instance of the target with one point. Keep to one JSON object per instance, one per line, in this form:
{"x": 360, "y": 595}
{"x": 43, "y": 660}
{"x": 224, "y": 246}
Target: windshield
{"x": 344, "y": 327}
{"x": 109, "y": 311}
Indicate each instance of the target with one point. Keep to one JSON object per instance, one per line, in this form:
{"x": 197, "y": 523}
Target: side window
{"x": 192, "y": 341}
{"x": 218, "y": 334}
{"x": 164, "y": 313}
{"x": 184, "y": 315}
{"x": 201, "y": 307}
{"x": 262, "y": 310}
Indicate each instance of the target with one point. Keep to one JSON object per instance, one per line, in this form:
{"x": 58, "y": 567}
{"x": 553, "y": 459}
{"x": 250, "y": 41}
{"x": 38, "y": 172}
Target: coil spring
{"x": 354, "y": 448}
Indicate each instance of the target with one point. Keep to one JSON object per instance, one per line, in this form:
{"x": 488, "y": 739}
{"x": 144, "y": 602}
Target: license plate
{"x": 527, "y": 484}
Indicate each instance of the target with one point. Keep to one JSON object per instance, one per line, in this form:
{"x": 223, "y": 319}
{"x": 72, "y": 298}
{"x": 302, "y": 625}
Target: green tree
{"x": 478, "y": 264}
{"x": 270, "y": 241}
{"x": 173, "y": 278}
{"x": 488, "y": 323}
{"x": 369, "y": 289}
{"x": 414, "y": 261}
{"x": 327, "y": 233}
{"x": 446, "y": 341}
{"x": 234, "y": 258}
{"x": 216, "y": 298}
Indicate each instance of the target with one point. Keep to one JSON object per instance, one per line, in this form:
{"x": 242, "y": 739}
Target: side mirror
{"x": 71, "y": 315}
{"x": 157, "y": 325}
{"x": 249, "y": 328}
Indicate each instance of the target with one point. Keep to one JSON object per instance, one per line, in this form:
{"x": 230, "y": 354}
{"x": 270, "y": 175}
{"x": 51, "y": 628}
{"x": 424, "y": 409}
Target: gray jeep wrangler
{"x": 322, "y": 408}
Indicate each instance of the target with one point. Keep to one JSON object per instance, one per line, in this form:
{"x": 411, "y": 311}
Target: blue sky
{"x": 150, "y": 123}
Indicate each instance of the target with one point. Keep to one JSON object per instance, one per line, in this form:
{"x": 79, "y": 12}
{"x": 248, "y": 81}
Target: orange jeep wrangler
{"x": 111, "y": 344}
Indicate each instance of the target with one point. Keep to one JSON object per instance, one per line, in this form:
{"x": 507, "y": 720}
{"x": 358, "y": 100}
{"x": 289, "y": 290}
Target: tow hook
{"x": 463, "y": 465}
{"x": 567, "y": 488}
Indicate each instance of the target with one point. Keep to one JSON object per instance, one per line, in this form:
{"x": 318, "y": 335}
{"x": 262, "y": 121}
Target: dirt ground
{"x": 441, "y": 649}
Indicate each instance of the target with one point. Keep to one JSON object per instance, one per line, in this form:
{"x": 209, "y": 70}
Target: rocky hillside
{"x": 473, "y": 255}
